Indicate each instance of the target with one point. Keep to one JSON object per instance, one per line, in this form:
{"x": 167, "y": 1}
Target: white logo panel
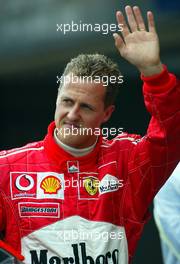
{"x": 50, "y": 185}
{"x": 74, "y": 238}
{"x": 109, "y": 183}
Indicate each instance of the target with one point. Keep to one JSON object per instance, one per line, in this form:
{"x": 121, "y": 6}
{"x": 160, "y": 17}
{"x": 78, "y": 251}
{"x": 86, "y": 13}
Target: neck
{"x": 74, "y": 151}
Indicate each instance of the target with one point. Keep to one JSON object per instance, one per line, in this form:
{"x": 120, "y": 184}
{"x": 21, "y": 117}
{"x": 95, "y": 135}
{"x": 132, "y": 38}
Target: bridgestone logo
{"x": 107, "y": 258}
{"x": 38, "y": 210}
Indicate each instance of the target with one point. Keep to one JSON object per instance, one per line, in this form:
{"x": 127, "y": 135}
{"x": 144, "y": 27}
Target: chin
{"x": 73, "y": 141}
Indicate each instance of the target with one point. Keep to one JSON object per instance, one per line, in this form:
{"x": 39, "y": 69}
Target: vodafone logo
{"x": 23, "y": 185}
{"x": 24, "y": 182}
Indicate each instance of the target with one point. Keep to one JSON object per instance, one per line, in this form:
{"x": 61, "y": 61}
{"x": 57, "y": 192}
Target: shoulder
{"x": 12, "y": 155}
{"x": 123, "y": 139}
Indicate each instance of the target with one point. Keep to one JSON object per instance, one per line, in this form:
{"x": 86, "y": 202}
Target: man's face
{"x": 79, "y": 106}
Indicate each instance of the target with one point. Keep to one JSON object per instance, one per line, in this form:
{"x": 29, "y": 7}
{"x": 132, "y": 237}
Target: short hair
{"x": 95, "y": 65}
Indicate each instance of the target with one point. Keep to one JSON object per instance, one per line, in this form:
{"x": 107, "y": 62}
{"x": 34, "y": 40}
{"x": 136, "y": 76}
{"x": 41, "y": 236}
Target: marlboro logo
{"x": 73, "y": 166}
{"x": 79, "y": 256}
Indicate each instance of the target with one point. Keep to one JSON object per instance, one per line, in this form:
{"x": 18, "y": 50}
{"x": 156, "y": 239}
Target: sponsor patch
{"x": 23, "y": 185}
{"x": 109, "y": 184}
{"x": 78, "y": 254}
{"x": 51, "y": 185}
{"x": 37, "y": 185}
{"x": 88, "y": 185}
{"x": 47, "y": 210}
{"x": 73, "y": 166}
{"x": 91, "y": 185}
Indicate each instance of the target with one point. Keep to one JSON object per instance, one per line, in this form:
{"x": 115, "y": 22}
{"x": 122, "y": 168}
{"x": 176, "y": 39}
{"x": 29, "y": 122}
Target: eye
{"x": 67, "y": 101}
{"x": 86, "y": 107}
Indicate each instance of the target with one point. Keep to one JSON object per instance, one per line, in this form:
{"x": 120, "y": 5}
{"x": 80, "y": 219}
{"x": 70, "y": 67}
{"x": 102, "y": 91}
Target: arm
{"x": 167, "y": 213}
{"x": 1, "y": 214}
{"x": 10, "y": 251}
{"x": 152, "y": 159}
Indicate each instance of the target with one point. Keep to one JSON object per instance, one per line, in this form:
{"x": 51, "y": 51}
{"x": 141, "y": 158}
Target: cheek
{"x": 95, "y": 121}
{"x": 100, "y": 119}
{"x": 59, "y": 113}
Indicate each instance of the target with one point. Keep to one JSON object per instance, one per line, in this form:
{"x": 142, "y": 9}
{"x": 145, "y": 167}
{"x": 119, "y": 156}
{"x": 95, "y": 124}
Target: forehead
{"x": 82, "y": 89}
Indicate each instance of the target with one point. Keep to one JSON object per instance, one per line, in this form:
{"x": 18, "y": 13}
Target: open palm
{"x": 137, "y": 45}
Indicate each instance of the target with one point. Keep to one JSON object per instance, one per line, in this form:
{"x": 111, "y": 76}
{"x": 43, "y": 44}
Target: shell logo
{"x": 51, "y": 185}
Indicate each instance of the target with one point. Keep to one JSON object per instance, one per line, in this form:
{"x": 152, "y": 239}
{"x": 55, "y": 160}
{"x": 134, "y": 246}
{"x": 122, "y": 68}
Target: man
{"x": 81, "y": 198}
{"x": 167, "y": 217}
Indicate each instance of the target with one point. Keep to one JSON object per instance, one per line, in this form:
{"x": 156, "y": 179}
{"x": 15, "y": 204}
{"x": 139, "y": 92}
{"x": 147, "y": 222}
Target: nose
{"x": 73, "y": 113}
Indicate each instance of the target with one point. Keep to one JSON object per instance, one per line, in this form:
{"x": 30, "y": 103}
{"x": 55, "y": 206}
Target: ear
{"x": 108, "y": 112}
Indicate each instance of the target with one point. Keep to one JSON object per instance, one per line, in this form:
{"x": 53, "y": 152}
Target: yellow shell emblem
{"x": 91, "y": 185}
{"x": 51, "y": 185}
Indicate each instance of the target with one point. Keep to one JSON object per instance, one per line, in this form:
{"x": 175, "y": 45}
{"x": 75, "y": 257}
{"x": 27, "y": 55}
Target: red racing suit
{"x": 59, "y": 209}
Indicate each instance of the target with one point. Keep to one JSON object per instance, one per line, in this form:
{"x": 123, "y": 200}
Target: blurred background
{"x": 33, "y": 53}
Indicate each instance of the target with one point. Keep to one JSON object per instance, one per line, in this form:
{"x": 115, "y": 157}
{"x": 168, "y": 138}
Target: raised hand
{"x": 136, "y": 44}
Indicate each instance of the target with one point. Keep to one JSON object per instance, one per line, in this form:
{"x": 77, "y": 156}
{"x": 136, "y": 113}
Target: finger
{"x": 139, "y": 18}
{"x": 131, "y": 19}
{"x": 151, "y": 23}
{"x": 119, "y": 43}
{"x": 121, "y": 20}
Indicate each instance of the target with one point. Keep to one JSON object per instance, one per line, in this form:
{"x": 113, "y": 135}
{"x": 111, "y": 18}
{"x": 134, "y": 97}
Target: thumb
{"x": 118, "y": 40}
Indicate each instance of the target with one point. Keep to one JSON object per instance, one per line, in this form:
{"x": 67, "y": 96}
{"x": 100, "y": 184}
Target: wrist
{"x": 159, "y": 83}
{"x": 151, "y": 70}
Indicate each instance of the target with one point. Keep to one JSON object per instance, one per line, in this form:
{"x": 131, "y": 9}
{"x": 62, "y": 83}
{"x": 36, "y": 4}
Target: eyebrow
{"x": 81, "y": 104}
